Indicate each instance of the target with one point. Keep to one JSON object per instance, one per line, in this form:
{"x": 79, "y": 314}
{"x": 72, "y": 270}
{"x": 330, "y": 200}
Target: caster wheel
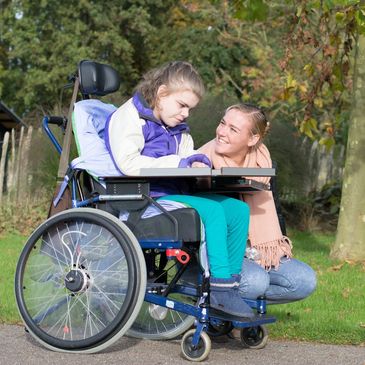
{"x": 254, "y": 337}
{"x": 220, "y": 328}
{"x": 195, "y": 353}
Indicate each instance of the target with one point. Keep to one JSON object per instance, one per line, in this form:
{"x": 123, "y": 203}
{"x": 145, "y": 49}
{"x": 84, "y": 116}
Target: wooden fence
{"x": 14, "y": 164}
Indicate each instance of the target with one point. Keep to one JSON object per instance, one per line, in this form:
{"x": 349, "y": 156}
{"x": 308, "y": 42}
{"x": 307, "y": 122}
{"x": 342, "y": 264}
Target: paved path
{"x": 17, "y": 347}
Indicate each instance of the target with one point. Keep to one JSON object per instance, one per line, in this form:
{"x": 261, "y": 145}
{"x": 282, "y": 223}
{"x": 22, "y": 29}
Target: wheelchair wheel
{"x": 80, "y": 281}
{"x": 160, "y": 323}
{"x": 195, "y": 353}
{"x": 254, "y": 337}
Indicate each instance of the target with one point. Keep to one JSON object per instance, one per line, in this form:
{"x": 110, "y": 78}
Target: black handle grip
{"x": 60, "y": 121}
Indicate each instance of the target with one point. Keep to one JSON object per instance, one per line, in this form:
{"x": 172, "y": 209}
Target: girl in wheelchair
{"x": 150, "y": 130}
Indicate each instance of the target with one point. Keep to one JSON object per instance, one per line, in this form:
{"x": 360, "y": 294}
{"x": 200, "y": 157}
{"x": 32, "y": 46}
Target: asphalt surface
{"x": 18, "y": 347}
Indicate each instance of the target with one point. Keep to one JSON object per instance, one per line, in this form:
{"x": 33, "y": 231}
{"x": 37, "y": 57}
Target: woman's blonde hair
{"x": 260, "y": 124}
{"x": 177, "y": 75}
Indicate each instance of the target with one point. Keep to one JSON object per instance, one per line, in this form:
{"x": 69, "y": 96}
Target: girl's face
{"x": 234, "y": 135}
{"x": 173, "y": 108}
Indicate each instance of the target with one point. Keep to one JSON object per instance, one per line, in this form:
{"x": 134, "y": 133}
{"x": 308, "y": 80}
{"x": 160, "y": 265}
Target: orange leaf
{"x": 337, "y": 267}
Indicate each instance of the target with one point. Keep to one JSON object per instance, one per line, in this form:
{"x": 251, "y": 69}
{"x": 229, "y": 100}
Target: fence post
{"x": 18, "y": 162}
{"x": 4, "y": 151}
{"x": 11, "y": 165}
{"x": 24, "y": 157}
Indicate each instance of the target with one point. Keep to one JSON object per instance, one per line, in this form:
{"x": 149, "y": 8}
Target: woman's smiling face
{"x": 234, "y": 134}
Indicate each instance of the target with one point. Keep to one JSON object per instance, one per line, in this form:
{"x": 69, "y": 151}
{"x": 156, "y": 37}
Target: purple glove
{"x": 188, "y": 161}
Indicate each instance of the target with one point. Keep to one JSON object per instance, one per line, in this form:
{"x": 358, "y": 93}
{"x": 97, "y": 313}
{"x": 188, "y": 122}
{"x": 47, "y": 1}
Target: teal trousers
{"x": 226, "y": 227}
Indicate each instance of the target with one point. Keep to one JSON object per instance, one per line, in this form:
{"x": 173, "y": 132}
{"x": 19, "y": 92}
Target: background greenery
{"x": 294, "y": 58}
{"x": 264, "y": 52}
{"x": 268, "y": 52}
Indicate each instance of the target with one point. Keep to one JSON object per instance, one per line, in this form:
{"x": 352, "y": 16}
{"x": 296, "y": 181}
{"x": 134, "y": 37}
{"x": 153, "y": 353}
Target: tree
{"x": 318, "y": 90}
{"x": 342, "y": 26}
{"x": 350, "y": 238}
{"x": 41, "y": 43}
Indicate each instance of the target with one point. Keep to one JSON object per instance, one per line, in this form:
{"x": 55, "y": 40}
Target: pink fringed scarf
{"x": 264, "y": 231}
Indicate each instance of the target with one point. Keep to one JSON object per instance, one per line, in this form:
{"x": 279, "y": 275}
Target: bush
{"x": 25, "y": 216}
{"x": 205, "y": 118}
{"x": 286, "y": 149}
{"x": 26, "y": 204}
{"x": 317, "y": 212}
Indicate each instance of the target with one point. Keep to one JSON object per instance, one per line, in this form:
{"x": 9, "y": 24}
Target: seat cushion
{"x": 162, "y": 227}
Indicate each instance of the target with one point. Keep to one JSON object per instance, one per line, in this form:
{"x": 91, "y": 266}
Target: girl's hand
{"x": 199, "y": 164}
{"x": 197, "y": 158}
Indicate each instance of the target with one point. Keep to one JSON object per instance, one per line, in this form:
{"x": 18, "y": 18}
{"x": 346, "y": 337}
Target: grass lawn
{"x": 335, "y": 313}
{"x": 10, "y": 248}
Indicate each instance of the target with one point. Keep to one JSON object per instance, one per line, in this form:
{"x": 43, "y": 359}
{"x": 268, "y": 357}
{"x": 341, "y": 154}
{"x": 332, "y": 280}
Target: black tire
{"x": 221, "y": 328}
{"x": 195, "y": 353}
{"x": 254, "y": 337}
{"x": 80, "y": 281}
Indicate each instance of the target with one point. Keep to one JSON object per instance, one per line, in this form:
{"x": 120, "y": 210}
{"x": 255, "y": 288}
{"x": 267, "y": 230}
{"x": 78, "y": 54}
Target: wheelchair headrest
{"x": 97, "y": 78}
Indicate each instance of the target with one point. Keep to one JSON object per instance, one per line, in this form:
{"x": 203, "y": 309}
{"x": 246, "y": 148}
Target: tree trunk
{"x": 350, "y": 239}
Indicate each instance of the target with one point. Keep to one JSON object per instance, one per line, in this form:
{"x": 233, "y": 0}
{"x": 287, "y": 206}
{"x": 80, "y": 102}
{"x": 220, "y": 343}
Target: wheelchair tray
{"x": 226, "y": 179}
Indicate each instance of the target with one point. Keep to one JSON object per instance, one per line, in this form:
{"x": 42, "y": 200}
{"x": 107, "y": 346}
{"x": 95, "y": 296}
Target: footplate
{"x": 242, "y": 322}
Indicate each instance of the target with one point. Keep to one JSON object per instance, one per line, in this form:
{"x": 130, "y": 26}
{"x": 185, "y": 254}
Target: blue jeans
{"x": 293, "y": 280}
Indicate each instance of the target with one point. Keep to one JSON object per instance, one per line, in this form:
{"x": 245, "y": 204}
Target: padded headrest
{"x": 97, "y": 78}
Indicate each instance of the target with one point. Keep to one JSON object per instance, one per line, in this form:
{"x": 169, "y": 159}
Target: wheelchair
{"x": 86, "y": 277}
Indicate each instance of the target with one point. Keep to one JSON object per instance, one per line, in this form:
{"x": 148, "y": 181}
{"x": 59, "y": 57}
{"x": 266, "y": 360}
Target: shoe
{"x": 225, "y": 297}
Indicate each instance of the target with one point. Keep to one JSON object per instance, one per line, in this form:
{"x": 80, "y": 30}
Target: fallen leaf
{"x": 336, "y": 267}
{"x": 346, "y": 292}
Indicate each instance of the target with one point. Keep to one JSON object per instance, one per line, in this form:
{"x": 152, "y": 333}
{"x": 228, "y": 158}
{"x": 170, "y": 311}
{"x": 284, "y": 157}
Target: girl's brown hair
{"x": 177, "y": 75}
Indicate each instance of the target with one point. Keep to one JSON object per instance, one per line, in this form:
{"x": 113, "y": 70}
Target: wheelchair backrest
{"x": 88, "y": 123}
{"x": 89, "y": 118}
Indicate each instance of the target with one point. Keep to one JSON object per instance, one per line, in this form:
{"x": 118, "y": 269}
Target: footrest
{"x": 241, "y": 322}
